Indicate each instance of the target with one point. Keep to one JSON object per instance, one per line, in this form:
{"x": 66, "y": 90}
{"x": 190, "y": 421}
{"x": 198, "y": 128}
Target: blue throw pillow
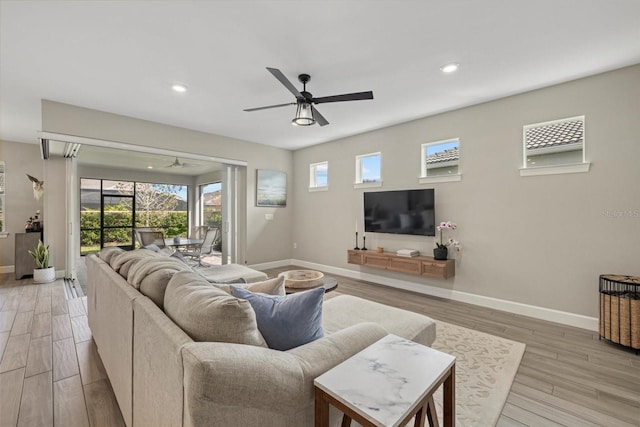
{"x": 287, "y": 321}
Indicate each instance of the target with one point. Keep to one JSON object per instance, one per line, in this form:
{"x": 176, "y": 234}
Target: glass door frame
{"x": 133, "y": 217}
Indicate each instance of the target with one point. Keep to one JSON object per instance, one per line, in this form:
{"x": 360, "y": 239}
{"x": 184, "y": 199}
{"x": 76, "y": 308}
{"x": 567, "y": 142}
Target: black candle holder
{"x": 356, "y": 248}
{"x": 364, "y": 242}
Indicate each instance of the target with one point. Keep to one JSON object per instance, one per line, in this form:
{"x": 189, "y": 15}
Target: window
{"x": 211, "y": 204}
{"x": 2, "y": 221}
{"x": 440, "y": 161}
{"x": 110, "y": 210}
{"x": 368, "y": 170}
{"x": 318, "y": 176}
{"x": 554, "y": 147}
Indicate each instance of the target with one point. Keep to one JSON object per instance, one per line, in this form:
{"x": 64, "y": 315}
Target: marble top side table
{"x": 387, "y": 384}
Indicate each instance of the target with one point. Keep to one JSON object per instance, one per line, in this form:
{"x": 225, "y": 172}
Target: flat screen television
{"x": 400, "y": 212}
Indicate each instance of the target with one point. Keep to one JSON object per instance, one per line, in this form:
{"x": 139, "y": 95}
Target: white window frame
{"x": 426, "y": 179}
{"x": 3, "y": 230}
{"x": 530, "y": 170}
{"x": 313, "y": 177}
{"x": 358, "y": 182}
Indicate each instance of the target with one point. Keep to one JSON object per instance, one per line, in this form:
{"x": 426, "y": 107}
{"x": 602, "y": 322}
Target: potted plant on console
{"x": 441, "y": 250}
{"x": 42, "y": 273}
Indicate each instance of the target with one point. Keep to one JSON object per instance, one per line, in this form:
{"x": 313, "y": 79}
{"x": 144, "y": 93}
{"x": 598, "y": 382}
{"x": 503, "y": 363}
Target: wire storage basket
{"x": 620, "y": 309}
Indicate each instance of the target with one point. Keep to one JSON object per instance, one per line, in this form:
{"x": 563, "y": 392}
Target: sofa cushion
{"x": 289, "y": 321}
{"x": 123, "y": 262}
{"x": 154, "y": 285}
{"x": 226, "y": 272}
{"x": 107, "y": 253}
{"x": 207, "y": 313}
{"x": 343, "y": 311}
{"x": 273, "y": 286}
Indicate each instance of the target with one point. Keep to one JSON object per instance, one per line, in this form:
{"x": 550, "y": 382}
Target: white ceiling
{"x": 123, "y": 56}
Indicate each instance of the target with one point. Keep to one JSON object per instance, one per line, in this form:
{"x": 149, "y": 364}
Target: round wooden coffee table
{"x": 294, "y": 281}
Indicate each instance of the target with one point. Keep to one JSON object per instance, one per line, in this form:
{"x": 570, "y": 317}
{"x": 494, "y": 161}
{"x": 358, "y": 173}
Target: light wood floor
{"x": 50, "y": 373}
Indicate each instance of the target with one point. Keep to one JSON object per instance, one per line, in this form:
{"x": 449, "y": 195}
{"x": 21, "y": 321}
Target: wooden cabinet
{"x": 23, "y": 262}
{"x": 420, "y": 265}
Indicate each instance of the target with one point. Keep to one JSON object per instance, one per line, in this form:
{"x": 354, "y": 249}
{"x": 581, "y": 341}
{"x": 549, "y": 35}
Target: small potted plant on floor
{"x": 42, "y": 273}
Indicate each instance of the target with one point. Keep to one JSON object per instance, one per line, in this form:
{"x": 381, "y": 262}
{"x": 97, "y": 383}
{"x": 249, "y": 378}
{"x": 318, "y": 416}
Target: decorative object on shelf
{"x": 441, "y": 251}
{"x": 271, "y": 188}
{"x": 38, "y": 187}
{"x": 379, "y": 249}
{"x": 42, "y": 273}
{"x": 356, "y": 248}
{"x": 364, "y": 242}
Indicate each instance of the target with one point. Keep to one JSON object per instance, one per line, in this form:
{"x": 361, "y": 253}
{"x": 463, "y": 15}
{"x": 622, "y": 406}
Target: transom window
{"x": 440, "y": 161}
{"x": 369, "y": 170}
{"x": 554, "y": 147}
{"x": 319, "y": 176}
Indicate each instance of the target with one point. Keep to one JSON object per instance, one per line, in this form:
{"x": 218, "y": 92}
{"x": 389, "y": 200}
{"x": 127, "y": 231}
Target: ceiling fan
{"x": 178, "y": 164}
{"x": 306, "y": 113}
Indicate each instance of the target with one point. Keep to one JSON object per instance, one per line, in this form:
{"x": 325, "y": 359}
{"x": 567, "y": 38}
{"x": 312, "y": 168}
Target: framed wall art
{"x": 271, "y": 188}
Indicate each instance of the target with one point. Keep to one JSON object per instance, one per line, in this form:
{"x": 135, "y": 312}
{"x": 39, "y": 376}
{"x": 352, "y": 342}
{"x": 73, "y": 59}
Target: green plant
{"x": 41, "y": 255}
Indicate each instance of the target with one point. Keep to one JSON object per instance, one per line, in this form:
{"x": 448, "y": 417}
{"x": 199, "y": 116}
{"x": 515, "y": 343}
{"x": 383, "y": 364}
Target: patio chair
{"x": 151, "y": 238}
{"x": 205, "y": 248}
{"x": 198, "y": 231}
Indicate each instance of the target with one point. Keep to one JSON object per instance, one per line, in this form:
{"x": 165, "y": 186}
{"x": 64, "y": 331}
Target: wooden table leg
{"x": 321, "y": 409}
{"x": 421, "y": 415}
{"x": 449, "y": 399}
{"x": 432, "y": 416}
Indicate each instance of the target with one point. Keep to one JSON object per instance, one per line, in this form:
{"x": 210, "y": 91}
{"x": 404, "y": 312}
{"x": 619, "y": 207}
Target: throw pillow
{"x": 207, "y": 313}
{"x": 152, "y": 247}
{"x": 273, "y": 286}
{"x": 287, "y": 321}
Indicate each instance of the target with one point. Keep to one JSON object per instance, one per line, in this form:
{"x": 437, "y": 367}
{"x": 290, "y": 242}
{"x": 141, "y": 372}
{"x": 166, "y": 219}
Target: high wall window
{"x": 110, "y": 210}
{"x": 319, "y": 176}
{"x": 554, "y": 147}
{"x": 369, "y": 170}
{"x": 2, "y": 221}
{"x": 440, "y": 161}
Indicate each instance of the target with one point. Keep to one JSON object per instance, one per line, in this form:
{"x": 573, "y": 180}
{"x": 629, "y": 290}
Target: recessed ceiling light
{"x": 149, "y": 167}
{"x": 179, "y": 87}
{"x": 450, "y": 68}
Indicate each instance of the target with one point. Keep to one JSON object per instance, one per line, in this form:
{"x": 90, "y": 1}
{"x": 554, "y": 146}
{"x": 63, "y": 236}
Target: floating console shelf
{"x": 419, "y": 265}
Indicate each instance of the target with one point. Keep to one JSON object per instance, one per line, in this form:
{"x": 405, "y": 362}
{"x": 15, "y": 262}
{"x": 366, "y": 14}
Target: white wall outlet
{"x": 268, "y": 217}
{"x": 295, "y": 246}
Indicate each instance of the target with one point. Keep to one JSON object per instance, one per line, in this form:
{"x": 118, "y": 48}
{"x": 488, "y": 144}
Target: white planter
{"x": 44, "y": 275}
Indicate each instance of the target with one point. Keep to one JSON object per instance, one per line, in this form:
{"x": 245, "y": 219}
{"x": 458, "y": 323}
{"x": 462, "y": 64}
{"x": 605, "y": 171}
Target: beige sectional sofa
{"x": 162, "y": 377}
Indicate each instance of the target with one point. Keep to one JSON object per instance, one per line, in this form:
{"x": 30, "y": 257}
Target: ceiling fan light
{"x": 304, "y": 115}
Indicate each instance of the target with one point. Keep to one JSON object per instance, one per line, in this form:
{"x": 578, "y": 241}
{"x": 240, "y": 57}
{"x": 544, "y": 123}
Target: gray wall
{"x": 20, "y": 159}
{"x": 265, "y": 240}
{"x": 541, "y": 240}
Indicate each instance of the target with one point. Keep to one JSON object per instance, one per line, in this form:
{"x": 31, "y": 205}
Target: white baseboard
{"x": 7, "y": 269}
{"x": 548, "y": 314}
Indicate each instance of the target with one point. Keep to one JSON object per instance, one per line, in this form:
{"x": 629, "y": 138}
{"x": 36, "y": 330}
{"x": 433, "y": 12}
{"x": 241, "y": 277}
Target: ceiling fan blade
{"x": 285, "y": 82}
{"x": 319, "y": 117}
{"x": 270, "y": 106}
{"x": 358, "y": 96}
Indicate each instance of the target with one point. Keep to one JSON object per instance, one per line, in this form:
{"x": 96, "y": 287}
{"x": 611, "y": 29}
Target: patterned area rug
{"x": 485, "y": 368}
